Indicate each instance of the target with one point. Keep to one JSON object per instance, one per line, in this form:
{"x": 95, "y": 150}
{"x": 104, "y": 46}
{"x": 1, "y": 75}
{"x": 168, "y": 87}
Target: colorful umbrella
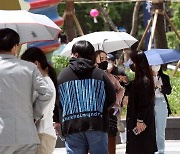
{"x": 31, "y": 27}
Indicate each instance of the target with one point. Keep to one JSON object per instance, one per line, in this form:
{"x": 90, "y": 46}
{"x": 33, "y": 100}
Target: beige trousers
{"x": 47, "y": 144}
{"x": 19, "y": 149}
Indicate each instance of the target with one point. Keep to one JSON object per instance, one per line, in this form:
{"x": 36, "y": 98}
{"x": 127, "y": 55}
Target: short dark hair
{"x": 85, "y": 50}
{"x": 36, "y": 54}
{"x": 8, "y": 38}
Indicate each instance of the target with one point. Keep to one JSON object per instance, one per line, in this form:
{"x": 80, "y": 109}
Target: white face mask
{"x": 156, "y": 68}
{"x": 109, "y": 66}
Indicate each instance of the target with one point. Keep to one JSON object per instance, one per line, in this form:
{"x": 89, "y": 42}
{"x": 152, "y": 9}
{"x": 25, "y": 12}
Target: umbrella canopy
{"x": 31, "y": 27}
{"x": 108, "y": 41}
{"x": 160, "y": 56}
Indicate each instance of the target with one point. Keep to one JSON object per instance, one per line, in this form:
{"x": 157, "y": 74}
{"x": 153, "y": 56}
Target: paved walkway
{"x": 172, "y": 147}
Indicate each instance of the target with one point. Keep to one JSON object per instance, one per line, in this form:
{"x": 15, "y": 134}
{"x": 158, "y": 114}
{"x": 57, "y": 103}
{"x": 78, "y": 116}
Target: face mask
{"x": 109, "y": 66}
{"x": 132, "y": 67}
{"x": 156, "y": 68}
{"x": 103, "y": 65}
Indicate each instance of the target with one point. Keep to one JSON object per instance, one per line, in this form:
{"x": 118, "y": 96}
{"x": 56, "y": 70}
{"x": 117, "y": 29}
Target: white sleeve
{"x": 44, "y": 92}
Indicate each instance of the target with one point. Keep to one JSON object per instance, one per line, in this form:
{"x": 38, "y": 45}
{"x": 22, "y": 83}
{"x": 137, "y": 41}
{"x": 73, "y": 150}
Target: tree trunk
{"x": 69, "y": 21}
{"x": 107, "y": 17}
{"x": 160, "y": 34}
{"x": 134, "y": 29}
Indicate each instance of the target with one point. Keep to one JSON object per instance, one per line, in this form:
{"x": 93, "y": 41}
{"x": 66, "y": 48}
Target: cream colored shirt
{"x": 45, "y": 125}
{"x": 157, "y": 90}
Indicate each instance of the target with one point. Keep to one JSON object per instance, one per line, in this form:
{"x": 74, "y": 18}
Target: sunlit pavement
{"x": 172, "y": 147}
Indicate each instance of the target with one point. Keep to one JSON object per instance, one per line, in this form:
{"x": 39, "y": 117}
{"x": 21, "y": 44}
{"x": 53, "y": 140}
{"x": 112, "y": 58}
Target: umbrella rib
{"x": 103, "y": 43}
{"x": 127, "y": 43}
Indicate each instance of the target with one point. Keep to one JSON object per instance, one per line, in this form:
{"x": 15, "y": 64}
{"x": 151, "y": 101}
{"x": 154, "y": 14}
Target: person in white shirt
{"x": 46, "y": 131}
{"x": 162, "y": 110}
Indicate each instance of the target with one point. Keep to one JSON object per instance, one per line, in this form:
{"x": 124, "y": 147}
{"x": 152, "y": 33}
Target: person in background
{"x": 161, "y": 108}
{"x": 102, "y": 63}
{"x": 44, "y": 126}
{"x": 140, "y": 120}
{"x": 63, "y": 40}
{"x": 19, "y": 79}
{"x": 121, "y": 76}
{"x": 86, "y": 94}
{"x": 114, "y": 69}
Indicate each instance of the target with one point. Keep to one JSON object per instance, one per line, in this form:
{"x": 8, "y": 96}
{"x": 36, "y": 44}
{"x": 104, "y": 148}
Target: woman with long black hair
{"x": 141, "y": 138}
{"x": 46, "y": 131}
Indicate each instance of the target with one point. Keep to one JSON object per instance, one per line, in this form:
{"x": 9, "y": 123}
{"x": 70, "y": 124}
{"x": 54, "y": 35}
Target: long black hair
{"x": 160, "y": 72}
{"x": 143, "y": 72}
{"x": 36, "y": 54}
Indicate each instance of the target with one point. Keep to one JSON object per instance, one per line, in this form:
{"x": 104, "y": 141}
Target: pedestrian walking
{"x": 161, "y": 108}
{"x": 86, "y": 94}
{"x": 141, "y": 136}
{"x": 18, "y": 81}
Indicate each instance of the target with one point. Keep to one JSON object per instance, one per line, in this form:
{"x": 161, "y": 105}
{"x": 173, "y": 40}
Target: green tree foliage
{"x": 175, "y": 94}
{"x": 176, "y": 14}
{"x": 173, "y": 41}
{"x": 120, "y": 13}
{"x": 59, "y": 62}
{"x": 86, "y": 21}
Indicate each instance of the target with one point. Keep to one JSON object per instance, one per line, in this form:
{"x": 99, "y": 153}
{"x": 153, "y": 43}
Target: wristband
{"x": 140, "y": 121}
